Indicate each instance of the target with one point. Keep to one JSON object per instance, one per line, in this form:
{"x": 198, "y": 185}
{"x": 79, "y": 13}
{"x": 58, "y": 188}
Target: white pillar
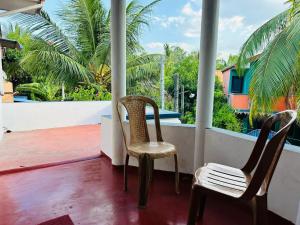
{"x": 118, "y": 71}
{"x": 162, "y": 81}
{"x": 298, "y": 216}
{"x": 206, "y": 75}
{"x": 1, "y": 93}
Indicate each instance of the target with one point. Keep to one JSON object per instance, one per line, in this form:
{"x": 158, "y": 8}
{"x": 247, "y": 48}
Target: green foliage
{"x": 224, "y": 116}
{"x": 11, "y": 63}
{"x": 143, "y": 75}
{"x": 186, "y": 65}
{"x": 79, "y": 51}
{"x": 222, "y": 64}
{"x": 40, "y": 91}
{"x": 275, "y": 71}
{"x": 89, "y": 93}
{"x": 232, "y": 60}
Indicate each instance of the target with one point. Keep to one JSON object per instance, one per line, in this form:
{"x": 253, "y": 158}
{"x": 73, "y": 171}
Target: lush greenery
{"x": 40, "y": 91}
{"x": 79, "y": 50}
{"x": 11, "y": 64}
{"x": 71, "y": 61}
{"x": 222, "y": 64}
{"x": 186, "y": 65}
{"x": 89, "y": 93}
{"x": 274, "y": 51}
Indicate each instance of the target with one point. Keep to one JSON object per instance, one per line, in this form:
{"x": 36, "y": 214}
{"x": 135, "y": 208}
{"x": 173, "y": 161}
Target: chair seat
{"x": 154, "y": 149}
{"x": 222, "y": 179}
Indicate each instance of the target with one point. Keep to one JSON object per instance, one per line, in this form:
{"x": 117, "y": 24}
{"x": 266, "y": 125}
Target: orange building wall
{"x": 240, "y": 102}
{"x": 281, "y": 104}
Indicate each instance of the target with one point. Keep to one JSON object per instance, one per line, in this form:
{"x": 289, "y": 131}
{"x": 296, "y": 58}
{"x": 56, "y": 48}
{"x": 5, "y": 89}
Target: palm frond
{"x": 138, "y": 16}
{"x": 85, "y": 22}
{"x": 144, "y": 68}
{"x": 44, "y": 91}
{"x": 41, "y": 26}
{"x": 62, "y": 67}
{"x": 275, "y": 71}
{"x": 260, "y": 38}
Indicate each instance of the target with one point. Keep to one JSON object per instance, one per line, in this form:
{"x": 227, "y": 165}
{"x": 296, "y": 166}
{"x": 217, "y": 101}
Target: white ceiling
{"x": 15, "y": 6}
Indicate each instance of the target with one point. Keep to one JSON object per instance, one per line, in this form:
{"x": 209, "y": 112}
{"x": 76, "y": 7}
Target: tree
{"x": 40, "y": 91}
{"x": 186, "y": 65}
{"x": 79, "y": 51}
{"x": 224, "y": 116}
{"x": 222, "y": 63}
{"x": 273, "y": 49}
{"x": 11, "y": 63}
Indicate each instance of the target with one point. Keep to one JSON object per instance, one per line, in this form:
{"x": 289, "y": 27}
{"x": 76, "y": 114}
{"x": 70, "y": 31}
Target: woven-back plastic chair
{"x": 141, "y": 147}
{"x": 249, "y": 184}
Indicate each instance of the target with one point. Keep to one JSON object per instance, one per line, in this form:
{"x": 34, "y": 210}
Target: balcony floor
{"x": 19, "y": 150}
{"x": 91, "y": 192}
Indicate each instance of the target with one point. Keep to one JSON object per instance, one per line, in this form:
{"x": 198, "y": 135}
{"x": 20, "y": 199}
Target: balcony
{"x": 90, "y": 190}
{"x": 77, "y": 171}
{"x": 47, "y": 173}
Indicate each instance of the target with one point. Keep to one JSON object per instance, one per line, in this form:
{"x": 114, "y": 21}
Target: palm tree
{"x": 78, "y": 49}
{"x": 40, "y": 91}
{"x": 275, "y": 71}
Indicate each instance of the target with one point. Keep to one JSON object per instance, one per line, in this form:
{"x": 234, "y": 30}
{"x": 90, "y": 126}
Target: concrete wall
{"x": 298, "y": 217}
{"x": 231, "y": 149}
{"x": 41, "y": 115}
{"x": 182, "y": 136}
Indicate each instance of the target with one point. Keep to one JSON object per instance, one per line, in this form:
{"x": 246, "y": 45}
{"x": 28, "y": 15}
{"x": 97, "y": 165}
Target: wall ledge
{"x": 287, "y": 147}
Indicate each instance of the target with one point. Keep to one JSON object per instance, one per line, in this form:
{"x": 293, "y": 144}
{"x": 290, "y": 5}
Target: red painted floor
{"x": 91, "y": 192}
{"x": 38, "y": 147}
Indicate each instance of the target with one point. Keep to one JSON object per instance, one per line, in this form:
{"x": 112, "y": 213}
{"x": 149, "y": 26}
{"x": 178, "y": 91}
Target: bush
{"x": 89, "y": 93}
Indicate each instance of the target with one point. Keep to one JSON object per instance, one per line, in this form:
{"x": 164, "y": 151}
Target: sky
{"x": 178, "y": 22}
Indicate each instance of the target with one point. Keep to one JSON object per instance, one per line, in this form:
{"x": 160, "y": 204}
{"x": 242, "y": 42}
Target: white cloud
{"x": 192, "y": 22}
{"x": 192, "y": 19}
{"x": 155, "y": 45}
{"x": 232, "y": 23}
{"x": 169, "y": 21}
{"x": 233, "y": 29}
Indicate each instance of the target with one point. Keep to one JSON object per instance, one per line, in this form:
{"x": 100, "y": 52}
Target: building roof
{"x": 17, "y": 6}
{"x": 228, "y": 68}
{"x": 9, "y": 44}
{"x": 251, "y": 59}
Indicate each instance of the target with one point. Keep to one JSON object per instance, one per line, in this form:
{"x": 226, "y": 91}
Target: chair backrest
{"x": 136, "y": 110}
{"x": 265, "y": 155}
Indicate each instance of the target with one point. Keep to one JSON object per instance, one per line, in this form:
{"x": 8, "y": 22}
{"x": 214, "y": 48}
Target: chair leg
{"x": 176, "y": 175}
{"x": 260, "y": 210}
{"x": 202, "y": 202}
{"x": 197, "y": 205}
{"x": 144, "y": 175}
{"x": 151, "y": 170}
{"x": 126, "y": 172}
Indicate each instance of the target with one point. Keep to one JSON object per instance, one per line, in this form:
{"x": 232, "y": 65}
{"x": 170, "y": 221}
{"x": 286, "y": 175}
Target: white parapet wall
{"x": 229, "y": 148}
{"x": 42, "y": 115}
{"x": 182, "y": 136}
{"x": 298, "y": 216}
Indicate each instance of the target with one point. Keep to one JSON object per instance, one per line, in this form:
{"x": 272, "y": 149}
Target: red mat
{"x": 63, "y": 220}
